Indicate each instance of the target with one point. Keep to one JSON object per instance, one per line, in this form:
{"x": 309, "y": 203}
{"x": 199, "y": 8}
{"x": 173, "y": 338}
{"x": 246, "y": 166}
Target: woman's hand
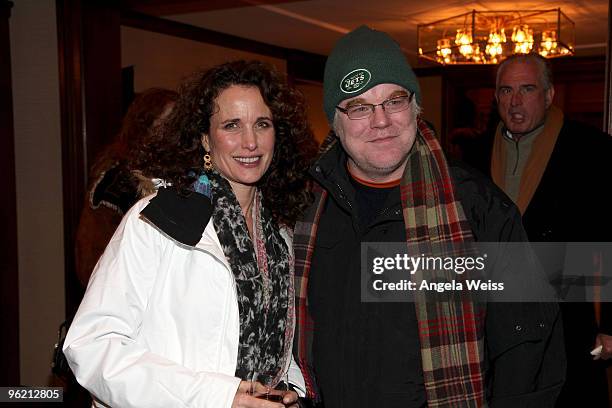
{"x": 245, "y": 399}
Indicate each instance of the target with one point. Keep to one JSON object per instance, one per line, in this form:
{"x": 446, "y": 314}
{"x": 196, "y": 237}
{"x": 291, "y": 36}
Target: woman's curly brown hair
{"x": 177, "y": 153}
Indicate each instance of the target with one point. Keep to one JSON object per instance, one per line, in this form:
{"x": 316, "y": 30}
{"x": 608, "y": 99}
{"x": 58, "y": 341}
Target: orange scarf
{"x": 541, "y": 151}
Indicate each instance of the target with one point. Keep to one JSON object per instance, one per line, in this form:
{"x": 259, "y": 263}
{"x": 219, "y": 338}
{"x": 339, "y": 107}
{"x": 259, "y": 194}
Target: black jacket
{"x": 571, "y": 205}
{"x": 524, "y": 340}
{"x": 524, "y": 344}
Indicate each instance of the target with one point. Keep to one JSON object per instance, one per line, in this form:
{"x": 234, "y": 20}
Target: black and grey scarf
{"x": 263, "y": 298}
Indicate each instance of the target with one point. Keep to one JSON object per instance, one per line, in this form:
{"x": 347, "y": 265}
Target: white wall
{"x": 39, "y": 184}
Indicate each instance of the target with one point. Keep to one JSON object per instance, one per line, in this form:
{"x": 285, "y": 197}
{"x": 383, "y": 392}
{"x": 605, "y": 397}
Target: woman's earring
{"x": 207, "y": 162}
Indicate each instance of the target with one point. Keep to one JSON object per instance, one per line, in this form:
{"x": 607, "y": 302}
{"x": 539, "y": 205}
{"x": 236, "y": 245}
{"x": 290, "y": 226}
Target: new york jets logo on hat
{"x": 355, "y": 80}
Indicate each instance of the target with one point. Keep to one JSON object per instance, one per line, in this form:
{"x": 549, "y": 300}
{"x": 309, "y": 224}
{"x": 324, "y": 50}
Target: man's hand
{"x": 605, "y": 342}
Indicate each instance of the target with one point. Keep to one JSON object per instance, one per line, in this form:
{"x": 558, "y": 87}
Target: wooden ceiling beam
{"x": 607, "y": 124}
{"x": 172, "y": 7}
{"x": 190, "y": 32}
{"x": 301, "y": 65}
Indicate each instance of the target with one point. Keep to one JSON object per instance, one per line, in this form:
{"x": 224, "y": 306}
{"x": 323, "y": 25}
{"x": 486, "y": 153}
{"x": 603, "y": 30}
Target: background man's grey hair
{"x": 414, "y": 107}
{"x": 541, "y": 62}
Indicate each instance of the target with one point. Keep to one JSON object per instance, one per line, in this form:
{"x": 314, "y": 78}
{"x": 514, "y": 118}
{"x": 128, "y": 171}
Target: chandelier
{"x": 488, "y": 37}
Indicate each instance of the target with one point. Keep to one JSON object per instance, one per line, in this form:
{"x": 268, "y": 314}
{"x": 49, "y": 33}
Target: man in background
{"x": 556, "y": 171}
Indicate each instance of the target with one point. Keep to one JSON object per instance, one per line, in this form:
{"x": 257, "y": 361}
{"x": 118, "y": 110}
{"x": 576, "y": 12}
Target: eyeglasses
{"x": 365, "y": 110}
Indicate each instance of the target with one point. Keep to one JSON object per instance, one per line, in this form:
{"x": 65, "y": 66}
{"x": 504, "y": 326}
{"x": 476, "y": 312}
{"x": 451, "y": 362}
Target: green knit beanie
{"x": 361, "y": 60}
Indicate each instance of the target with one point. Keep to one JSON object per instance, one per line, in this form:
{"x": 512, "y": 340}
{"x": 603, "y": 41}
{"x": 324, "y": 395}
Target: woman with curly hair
{"x": 117, "y": 181}
{"x": 192, "y": 301}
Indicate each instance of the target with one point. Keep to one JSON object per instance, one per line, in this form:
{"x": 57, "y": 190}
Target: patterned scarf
{"x": 451, "y": 330}
{"x": 264, "y": 288}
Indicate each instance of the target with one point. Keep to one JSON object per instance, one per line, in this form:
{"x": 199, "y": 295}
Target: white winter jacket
{"x": 159, "y": 323}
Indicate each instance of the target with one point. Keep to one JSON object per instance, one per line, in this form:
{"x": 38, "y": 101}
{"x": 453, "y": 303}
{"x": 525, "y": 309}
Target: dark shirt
{"x": 366, "y": 354}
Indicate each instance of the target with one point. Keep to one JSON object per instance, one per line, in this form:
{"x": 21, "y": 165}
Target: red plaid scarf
{"x": 451, "y": 333}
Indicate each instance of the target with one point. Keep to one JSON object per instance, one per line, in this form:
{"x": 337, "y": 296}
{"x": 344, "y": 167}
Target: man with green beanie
{"x": 382, "y": 177}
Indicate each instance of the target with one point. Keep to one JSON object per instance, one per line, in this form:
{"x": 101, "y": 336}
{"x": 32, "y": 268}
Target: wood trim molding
{"x": 73, "y": 131}
{"x": 301, "y": 65}
{"x": 174, "y": 28}
{"x": 607, "y": 125}
{"x": 165, "y": 7}
{"x": 89, "y": 48}
{"x": 9, "y": 262}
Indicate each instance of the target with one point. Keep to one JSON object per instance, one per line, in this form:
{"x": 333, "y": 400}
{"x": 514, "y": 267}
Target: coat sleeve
{"x": 101, "y": 345}
{"x": 601, "y": 231}
{"x": 526, "y": 352}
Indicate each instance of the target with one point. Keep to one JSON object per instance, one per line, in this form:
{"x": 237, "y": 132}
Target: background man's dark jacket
{"x": 571, "y": 205}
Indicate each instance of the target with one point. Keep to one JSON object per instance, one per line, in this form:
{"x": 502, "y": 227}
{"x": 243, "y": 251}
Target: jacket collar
{"x": 329, "y": 170}
{"x": 331, "y": 162}
{"x": 185, "y": 220}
